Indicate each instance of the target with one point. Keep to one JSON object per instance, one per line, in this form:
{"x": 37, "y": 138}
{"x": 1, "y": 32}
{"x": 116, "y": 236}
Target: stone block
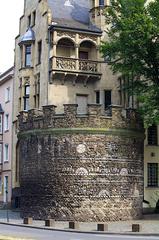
{"x": 49, "y": 222}
{"x": 73, "y": 225}
{"x": 136, "y": 228}
{"x": 28, "y": 220}
{"x": 102, "y": 227}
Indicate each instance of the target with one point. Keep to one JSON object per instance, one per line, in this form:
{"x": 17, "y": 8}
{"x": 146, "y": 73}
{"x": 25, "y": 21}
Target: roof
{"x": 28, "y": 36}
{"x": 75, "y": 15}
{"x": 1, "y": 110}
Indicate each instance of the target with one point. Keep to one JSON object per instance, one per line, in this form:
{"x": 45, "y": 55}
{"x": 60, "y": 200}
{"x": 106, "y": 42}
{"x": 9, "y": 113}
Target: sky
{"x": 10, "y": 12}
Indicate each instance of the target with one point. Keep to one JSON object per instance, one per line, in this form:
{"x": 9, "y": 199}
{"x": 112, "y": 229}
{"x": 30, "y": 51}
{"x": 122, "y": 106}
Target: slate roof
{"x": 28, "y": 36}
{"x": 75, "y": 16}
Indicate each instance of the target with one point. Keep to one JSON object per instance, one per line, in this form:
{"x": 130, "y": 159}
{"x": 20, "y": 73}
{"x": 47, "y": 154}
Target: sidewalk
{"x": 150, "y": 224}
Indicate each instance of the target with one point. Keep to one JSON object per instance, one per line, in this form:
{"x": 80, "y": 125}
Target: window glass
{"x": 26, "y": 98}
{"x": 152, "y": 174}
{"x": 6, "y": 152}
{"x": 28, "y": 56}
{"x": 101, "y": 2}
{"x": 152, "y": 135}
{"x": 39, "y": 51}
{"x": 107, "y": 98}
{"x": 0, "y": 152}
{"x": 97, "y": 97}
{"x": 1, "y": 125}
{"x": 6, "y": 122}
{"x": 29, "y": 20}
{"x": 34, "y": 17}
{"x": 7, "y": 94}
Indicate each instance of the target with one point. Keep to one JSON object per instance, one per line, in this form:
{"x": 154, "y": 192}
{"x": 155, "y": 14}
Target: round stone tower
{"x": 81, "y": 168}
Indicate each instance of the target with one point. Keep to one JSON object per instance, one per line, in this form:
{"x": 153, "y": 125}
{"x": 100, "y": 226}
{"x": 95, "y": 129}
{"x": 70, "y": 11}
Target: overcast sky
{"x": 10, "y": 12}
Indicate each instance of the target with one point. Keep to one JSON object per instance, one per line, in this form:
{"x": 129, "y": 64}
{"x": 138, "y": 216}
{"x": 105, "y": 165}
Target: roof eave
{"x": 75, "y": 29}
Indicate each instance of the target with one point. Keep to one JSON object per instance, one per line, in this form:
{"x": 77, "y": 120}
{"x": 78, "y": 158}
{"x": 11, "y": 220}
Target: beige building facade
{"x": 6, "y": 87}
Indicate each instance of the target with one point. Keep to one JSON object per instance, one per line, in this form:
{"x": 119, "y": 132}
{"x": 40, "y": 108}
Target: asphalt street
{"x": 38, "y": 234}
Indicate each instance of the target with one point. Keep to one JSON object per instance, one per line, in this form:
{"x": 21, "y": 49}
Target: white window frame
{"x": 6, "y": 122}
{"x": 7, "y": 95}
{"x": 6, "y": 152}
{"x": 1, "y": 123}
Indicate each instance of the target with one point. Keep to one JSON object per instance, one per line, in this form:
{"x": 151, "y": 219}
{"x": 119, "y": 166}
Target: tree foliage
{"x": 133, "y": 47}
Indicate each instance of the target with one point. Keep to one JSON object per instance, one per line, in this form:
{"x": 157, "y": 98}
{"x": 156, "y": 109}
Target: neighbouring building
{"x": 83, "y": 161}
{"x": 6, "y": 86}
{"x": 151, "y": 168}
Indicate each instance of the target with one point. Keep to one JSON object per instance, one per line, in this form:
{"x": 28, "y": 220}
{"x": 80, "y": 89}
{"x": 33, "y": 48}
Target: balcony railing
{"x": 75, "y": 65}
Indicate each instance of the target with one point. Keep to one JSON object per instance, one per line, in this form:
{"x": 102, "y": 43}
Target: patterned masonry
{"x": 81, "y": 168}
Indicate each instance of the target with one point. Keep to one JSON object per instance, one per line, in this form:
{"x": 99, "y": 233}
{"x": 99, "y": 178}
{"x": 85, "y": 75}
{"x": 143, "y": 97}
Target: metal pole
{"x": 7, "y": 205}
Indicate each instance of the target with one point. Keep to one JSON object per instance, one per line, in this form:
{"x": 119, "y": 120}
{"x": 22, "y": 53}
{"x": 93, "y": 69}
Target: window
{"x": 26, "y": 97}
{"x": 1, "y": 123}
{"x": 7, "y": 94}
{"x": 107, "y": 98}
{"x": 6, "y": 189}
{"x": 29, "y": 20}
{"x": 0, "y": 185}
{"x": 97, "y": 97}
{"x": 6, "y": 153}
{"x": 101, "y": 2}
{"x": 83, "y": 55}
{"x": 152, "y": 174}
{"x": 39, "y": 51}
{"x": 1, "y": 153}
{"x": 152, "y": 135}
{"x": 34, "y": 17}
{"x": 27, "y": 55}
{"x": 6, "y": 122}
{"x": 82, "y": 101}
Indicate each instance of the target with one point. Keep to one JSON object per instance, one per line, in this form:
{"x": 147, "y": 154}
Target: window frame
{"x": 107, "y": 105}
{"x": 26, "y": 97}
{"x": 97, "y": 93}
{"x": 152, "y": 135}
{"x": 28, "y": 61}
{"x": 1, "y": 123}
{"x": 39, "y": 51}
{"x": 7, "y": 95}
{"x": 101, "y": 3}
{"x": 1, "y": 153}
{"x": 6, "y": 153}
{"x": 6, "y": 122}
{"x": 152, "y": 177}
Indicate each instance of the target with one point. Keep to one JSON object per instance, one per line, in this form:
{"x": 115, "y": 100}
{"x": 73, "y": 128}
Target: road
{"x": 37, "y": 234}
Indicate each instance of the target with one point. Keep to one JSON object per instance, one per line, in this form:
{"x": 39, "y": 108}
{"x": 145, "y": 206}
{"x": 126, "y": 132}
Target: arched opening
{"x": 87, "y": 50}
{"x": 66, "y": 48}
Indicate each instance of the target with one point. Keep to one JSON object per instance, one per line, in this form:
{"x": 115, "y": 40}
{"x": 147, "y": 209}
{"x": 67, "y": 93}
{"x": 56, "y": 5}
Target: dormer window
{"x": 101, "y": 2}
{"x": 27, "y": 55}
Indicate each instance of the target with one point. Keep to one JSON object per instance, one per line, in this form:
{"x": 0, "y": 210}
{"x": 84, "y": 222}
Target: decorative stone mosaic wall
{"x": 81, "y": 168}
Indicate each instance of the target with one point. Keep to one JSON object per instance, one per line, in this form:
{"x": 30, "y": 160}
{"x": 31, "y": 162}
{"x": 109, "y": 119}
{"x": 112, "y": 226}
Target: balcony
{"x": 66, "y": 66}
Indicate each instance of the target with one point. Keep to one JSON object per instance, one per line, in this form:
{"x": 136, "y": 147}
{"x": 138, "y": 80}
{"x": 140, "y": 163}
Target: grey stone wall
{"x": 89, "y": 173}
